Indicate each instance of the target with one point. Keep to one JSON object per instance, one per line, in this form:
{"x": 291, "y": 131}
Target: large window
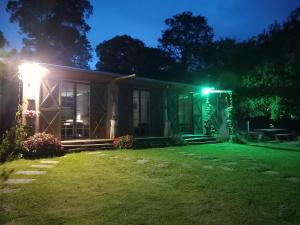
{"x": 75, "y": 116}
{"x": 141, "y": 112}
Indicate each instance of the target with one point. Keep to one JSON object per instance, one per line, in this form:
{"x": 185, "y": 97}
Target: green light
{"x": 206, "y": 91}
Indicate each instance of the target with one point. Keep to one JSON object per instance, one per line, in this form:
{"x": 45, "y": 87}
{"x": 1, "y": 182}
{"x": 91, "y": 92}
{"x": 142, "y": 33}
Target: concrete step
{"x": 200, "y": 139}
{"x": 85, "y": 141}
{"x": 203, "y": 142}
{"x": 184, "y": 136}
{"x": 87, "y": 144}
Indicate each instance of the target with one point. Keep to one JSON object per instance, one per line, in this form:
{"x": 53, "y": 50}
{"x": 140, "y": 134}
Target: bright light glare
{"x": 206, "y": 91}
{"x": 32, "y": 71}
{"x": 31, "y": 75}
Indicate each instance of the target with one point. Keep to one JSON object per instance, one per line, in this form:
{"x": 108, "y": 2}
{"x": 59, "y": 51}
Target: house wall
{"x": 125, "y": 114}
{"x": 157, "y": 111}
{"x": 103, "y": 106}
{"x": 9, "y": 97}
{"x": 100, "y": 113}
{"x": 50, "y": 102}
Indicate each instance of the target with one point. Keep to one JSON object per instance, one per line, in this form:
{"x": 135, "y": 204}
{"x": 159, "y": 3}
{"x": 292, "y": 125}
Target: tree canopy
{"x": 126, "y": 55}
{"x": 54, "y": 31}
{"x": 187, "y": 39}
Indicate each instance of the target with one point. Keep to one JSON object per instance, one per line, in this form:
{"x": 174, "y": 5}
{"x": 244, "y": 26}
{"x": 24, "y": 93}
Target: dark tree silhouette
{"x": 54, "y": 31}
{"x": 126, "y": 55}
{"x": 188, "y": 39}
{"x": 120, "y": 54}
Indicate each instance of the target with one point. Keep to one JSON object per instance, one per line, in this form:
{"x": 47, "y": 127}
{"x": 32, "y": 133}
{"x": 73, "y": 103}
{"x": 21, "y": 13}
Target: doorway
{"x": 75, "y": 110}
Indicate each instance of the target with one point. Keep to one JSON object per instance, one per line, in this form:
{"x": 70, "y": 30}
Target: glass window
{"x": 75, "y": 113}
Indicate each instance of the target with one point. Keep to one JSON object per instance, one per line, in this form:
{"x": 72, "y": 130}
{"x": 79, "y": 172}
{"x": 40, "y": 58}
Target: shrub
{"x": 10, "y": 147}
{"x": 41, "y": 145}
{"x": 123, "y": 142}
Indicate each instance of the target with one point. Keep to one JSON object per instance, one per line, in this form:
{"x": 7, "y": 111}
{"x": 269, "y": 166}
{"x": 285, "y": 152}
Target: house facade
{"x": 73, "y": 103}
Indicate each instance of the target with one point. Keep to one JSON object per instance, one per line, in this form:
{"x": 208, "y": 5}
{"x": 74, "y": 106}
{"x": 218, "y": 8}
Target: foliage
{"x": 54, "y": 31}
{"x": 209, "y": 127}
{"x": 12, "y": 140}
{"x": 262, "y": 106}
{"x": 119, "y": 54}
{"x": 123, "y": 142}
{"x": 275, "y": 108}
{"x": 188, "y": 39}
{"x": 41, "y": 145}
{"x": 126, "y": 55}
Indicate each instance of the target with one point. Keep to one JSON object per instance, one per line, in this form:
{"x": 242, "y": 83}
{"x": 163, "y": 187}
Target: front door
{"x": 141, "y": 112}
{"x": 75, "y": 110}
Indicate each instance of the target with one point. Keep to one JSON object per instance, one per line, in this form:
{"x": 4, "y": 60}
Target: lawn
{"x": 205, "y": 184}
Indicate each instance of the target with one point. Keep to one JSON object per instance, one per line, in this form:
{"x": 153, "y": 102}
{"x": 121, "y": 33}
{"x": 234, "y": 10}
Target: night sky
{"x": 144, "y": 19}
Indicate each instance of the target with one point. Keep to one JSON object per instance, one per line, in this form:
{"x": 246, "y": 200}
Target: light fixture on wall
{"x": 31, "y": 75}
{"x": 207, "y": 90}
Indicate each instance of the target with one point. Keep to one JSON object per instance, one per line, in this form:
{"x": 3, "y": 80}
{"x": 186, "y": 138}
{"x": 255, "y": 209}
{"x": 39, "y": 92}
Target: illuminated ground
{"x": 205, "y": 184}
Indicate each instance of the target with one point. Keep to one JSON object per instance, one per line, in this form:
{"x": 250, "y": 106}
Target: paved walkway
{"x": 45, "y": 164}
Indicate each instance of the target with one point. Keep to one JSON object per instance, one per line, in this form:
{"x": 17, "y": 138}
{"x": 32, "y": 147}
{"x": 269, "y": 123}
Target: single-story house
{"x": 74, "y": 103}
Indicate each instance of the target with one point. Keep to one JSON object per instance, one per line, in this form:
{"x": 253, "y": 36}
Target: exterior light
{"x": 206, "y": 91}
{"x": 31, "y": 75}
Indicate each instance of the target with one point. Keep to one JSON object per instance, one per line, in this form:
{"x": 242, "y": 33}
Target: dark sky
{"x": 144, "y": 19}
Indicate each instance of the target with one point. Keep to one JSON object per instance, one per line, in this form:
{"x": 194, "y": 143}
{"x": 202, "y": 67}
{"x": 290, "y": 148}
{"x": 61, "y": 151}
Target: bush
{"x": 10, "y": 147}
{"x": 41, "y": 145}
{"x": 123, "y": 142}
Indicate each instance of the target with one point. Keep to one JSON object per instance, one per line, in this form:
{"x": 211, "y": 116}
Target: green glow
{"x": 206, "y": 91}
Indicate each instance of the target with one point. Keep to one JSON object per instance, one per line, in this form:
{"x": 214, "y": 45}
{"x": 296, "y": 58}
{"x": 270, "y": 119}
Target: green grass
{"x": 88, "y": 189}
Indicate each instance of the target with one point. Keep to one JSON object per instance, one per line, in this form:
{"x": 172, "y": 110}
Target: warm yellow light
{"x": 31, "y": 75}
{"x": 32, "y": 71}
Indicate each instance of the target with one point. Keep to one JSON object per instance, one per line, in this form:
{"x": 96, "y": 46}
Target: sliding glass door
{"x": 75, "y": 116}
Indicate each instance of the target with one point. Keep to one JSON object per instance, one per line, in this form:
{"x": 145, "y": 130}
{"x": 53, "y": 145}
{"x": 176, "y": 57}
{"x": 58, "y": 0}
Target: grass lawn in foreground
{"x": 205, "y": 184}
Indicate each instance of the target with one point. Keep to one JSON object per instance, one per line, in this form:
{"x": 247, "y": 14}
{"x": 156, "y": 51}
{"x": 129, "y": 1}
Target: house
{"x": 74, "y": 103}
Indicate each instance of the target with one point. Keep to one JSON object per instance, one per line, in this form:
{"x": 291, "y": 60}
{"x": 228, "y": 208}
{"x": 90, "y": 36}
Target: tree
{"x": 120, "y": 54}
{"x": 54, "y": 31}
{"x": 188, "y": 39}
{"x": 126, "y": 55}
